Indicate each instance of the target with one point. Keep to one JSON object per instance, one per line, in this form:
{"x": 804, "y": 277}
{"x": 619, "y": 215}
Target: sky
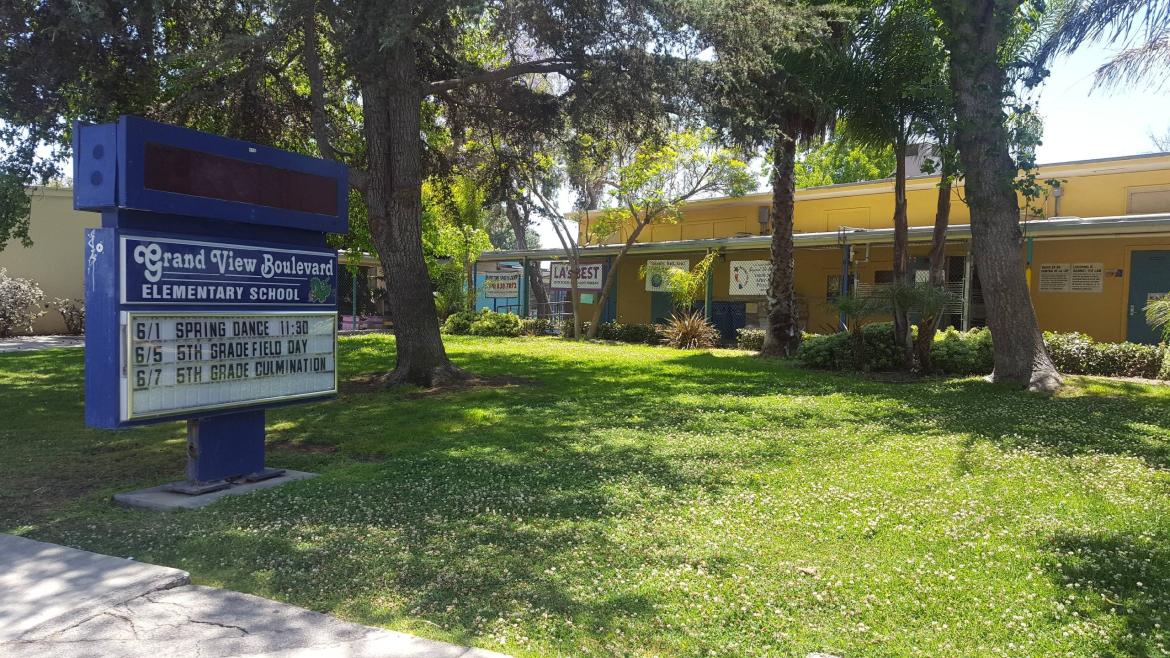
{"x": 1078, "y": 125}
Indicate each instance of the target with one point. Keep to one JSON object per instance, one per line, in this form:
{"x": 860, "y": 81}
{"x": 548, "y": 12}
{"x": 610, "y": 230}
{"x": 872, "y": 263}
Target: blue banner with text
{"x": 192, "y": 272}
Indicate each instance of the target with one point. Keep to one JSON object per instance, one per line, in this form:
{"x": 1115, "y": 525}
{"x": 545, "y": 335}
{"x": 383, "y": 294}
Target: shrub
{"x": 1071, "y": 353}
{"x": 628, "y": 333}
{"x": 836, "y": 351}
{"x": 490, "y": 323}
{"x": 537, "y": 326}
{"x": 72, "y": 312}
{"x": 459, "y": 323}
{"x": 687, "y": 331}
{"x": 962, "y": 352}
{"x": 826, "y": 351}
{"x": 21, "y": 303}
{"x": 1129, "y": 359}
{"x": 1078, "y": 354}
{"x": 750, "y": 339}
{"x": 957, "y": 352}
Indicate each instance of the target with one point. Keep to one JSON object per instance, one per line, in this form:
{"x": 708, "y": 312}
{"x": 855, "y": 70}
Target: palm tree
{"x": 858, "y": 310}
{"x": 1142, "y": 27}
{"x": 898, "y": 91}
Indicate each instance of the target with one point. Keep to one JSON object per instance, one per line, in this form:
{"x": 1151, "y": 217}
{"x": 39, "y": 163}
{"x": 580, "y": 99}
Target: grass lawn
{"x": 642, "y": 501}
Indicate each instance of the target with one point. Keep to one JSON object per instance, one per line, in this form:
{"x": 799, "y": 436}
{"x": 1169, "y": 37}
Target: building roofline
{"x": 876, "y": 185}
{"x": 1040, "y": 229}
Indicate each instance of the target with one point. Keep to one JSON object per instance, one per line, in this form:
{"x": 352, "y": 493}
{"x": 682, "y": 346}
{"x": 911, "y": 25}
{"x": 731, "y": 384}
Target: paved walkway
{"x": 65, "y": 603}
{"x": 26, "y": 343}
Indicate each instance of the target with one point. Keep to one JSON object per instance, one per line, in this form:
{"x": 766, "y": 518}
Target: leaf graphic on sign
{"x": 319, "y": 290}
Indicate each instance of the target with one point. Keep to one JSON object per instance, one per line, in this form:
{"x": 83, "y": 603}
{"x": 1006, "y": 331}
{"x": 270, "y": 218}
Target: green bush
{"x": 826, "y": 351}
{"x": 537, "y": 326}
{"x": 1071, "y": 353}
{"x": 749, "y": 339}
{"x": 490, "y": 323}
{"x": 628, "y": 333}
{"x": 962, "y": 352}
{"x": 1130, "y": 359}
{"x": 1078, "y": 354}
{"x": 959, "y": 353}
{"x": 459, "y": 324}
{"x": 484, "y": 323}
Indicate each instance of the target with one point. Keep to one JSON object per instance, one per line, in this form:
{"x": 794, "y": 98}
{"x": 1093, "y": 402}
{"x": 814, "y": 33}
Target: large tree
{"x": 771, "y": 84}
{"x": 358, "y": 80}
{"x": 976, "y": 34}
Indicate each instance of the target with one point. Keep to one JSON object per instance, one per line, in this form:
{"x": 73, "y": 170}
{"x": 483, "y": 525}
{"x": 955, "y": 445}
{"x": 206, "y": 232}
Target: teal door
{"x": 1149, "y": 278}
{"x": 661, "y": 306}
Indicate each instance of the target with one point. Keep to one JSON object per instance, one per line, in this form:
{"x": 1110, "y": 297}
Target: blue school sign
{"x": 210, "y": 293}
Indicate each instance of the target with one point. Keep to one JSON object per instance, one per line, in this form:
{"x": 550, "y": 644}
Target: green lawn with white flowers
{"x": 618, "y": 500}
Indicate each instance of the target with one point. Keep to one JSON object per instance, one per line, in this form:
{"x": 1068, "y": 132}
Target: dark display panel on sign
{"x": 196, "y": 173}
{"x": 181, "y": 362}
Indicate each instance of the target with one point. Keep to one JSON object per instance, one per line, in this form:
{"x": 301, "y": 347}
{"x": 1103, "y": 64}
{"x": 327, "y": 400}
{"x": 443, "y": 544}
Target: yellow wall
{"x": 55, "y": 261}
{"x": 1102, "y": 315}
{"x": 1090, "y": 189}
{"x": 813, "y": 269}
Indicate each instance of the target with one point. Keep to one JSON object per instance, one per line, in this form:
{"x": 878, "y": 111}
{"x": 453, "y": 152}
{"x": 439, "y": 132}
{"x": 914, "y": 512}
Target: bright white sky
{"x": 1077, "y": 125}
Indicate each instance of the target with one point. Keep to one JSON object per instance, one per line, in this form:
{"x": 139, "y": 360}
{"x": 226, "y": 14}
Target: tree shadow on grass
{"x": 460, "y": 539}
{"x": 1121, "y": 581}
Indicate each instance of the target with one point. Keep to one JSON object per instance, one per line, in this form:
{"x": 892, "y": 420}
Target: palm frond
{"x": 1113, "y": 21}
{"x": 1147, "y": 64}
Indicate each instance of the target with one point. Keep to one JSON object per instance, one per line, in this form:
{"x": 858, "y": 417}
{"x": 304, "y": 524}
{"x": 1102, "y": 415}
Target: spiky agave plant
{"x": 688, "y": 331}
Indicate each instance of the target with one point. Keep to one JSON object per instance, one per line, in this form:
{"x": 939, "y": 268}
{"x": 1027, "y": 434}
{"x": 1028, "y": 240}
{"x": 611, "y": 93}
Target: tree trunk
{"x": 783, "y": 335}
{"x": 928, "y": 325}
{"x": 611, "y": 278}
{"x": 520, "y": 229}
{"x": 902, "y": 274}
{"x": 975, "y": 31}
{"x": 391, "y": 108}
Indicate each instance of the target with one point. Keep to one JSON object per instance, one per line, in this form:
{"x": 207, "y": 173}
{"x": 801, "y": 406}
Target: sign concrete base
{"x": 164, "y": 499}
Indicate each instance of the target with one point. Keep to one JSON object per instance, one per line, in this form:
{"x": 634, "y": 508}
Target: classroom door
{"x": 1149, "y": 278}
{"x": 661, "y": 306}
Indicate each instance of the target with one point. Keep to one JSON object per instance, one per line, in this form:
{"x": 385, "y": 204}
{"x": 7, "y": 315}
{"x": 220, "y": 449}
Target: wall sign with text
{"x": 1071, "y": 277}
{"x": 750, "y": 277}
{"x": 186, "y": 272}
{"x": 656, "y": 273}
{"x": 497, "y": 285}
{"x": 590, "y": 276}
{"x": 204, "y": 361}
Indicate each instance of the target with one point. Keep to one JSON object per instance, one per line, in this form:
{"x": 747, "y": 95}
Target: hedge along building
{"x": 1097, "y": 248}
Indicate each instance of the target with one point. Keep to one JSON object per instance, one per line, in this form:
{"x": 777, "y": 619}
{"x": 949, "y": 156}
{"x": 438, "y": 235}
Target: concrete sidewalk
{"x": 62, "y": 602}
{"x": 30, "y": 343}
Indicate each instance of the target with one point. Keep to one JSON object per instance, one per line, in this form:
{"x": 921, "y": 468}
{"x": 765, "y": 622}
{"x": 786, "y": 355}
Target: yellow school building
{"x": 1097, "y": 247}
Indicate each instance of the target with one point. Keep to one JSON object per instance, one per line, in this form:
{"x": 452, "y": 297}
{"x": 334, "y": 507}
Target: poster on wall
{"x": 1054, "y": 277}
{"x": 656, "y": 272}
{"x": 1087, "y": 277}
{"x": 750, "y": 277}
{"x": 497, "y": 285}
{"x": 590, "y": 276}
{"x": 1072, "y": 277}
